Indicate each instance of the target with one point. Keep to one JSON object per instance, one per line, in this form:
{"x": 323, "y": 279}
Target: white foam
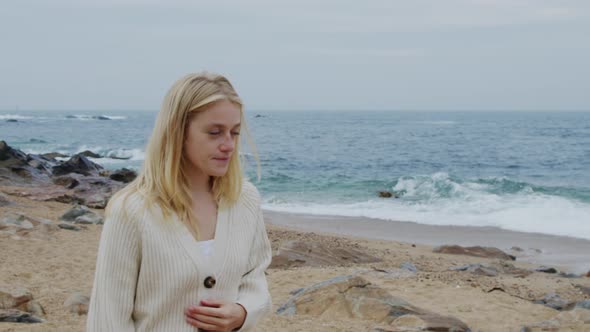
{"x": 437, "y": 200}
{"x": 15, "y": 117}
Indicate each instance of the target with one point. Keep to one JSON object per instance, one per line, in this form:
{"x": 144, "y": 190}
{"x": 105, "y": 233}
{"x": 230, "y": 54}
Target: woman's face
{"x": 211, "y": 138}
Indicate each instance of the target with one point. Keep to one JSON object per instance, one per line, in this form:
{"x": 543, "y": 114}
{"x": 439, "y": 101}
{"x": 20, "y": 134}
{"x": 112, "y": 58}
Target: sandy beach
{"x": 53, "y": 265}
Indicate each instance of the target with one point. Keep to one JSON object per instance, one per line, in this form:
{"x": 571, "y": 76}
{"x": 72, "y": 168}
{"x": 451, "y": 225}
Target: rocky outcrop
{"x": 300, "y": 253}
{"x": 77, "y": 180}
{"x": 477, "y": 251}
{"x": 353, "y": 297}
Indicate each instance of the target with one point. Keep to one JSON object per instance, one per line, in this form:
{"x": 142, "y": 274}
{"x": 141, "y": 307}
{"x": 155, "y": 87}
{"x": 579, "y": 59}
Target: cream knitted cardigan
{"x": 149, "y": 270}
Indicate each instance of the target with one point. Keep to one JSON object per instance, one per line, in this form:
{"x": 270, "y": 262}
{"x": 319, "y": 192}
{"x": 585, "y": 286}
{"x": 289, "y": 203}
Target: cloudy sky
{"x": 299, "y": 55}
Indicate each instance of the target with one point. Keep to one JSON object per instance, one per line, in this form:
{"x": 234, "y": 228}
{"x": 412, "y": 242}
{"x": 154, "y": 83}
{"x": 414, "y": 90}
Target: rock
{"x": 385, "y": 194}
{"x": 14, "y": 298}
{"x": 89, "y": 219}
{"x": 588, "y": 274}
{"x": 409, "y": 266}
{"x": 487, "y": 252}
{"x": 17, "y": 221}
{"x": 77, "y": 304}
{"x": 69, "y": 227}
{"x": 77, "y": 164}
{"x": 88, "y": 153}
{"x": 546, "y": 269}
{"x": 347, "y": 297}
{"x": 17, "y": 316}
{"x": 515, "y": 248}
{"x": 67, "y": 181}
{"x": 388, "y": 194}
{"x": 123, "y": 175}
{"x": 300, "y": 253}
{"x": 353, "y": 297}
{"x": 33, "y": 307}
{"x": 11, "y": 120}
{"x": 75, "y": 212}
{"x": 15, "y": 168}
{"x": 100, "y": 117}
{"x": 554, "y": 301}
{"x": 17, "y": 305}
{"x": 478, "y": 269}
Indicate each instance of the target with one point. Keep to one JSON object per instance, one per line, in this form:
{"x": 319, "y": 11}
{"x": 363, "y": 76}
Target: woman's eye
{"x": 214, "y": 132}
{"x": 235, "y": 133}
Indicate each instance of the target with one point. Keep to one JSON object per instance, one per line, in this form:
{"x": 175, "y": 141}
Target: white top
{"x": 149, "y": 270}
{"x": 206, "y": 247}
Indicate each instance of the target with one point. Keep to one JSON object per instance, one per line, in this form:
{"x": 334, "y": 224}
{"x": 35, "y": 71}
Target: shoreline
{"x": 566, "y": 253}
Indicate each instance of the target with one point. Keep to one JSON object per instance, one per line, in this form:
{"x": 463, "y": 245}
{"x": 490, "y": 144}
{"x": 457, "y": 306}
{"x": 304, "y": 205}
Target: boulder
{"x": 347, "y": 297}
{"x": 16, "y": 170}
{"x": 123, "y": 175}
{"x": 477, "y": 251}
{"x": 554, "y": 301}
{"x": 77, "y": 164}
{"x": 300, "y": 253}
{"x": 353, "y": 297}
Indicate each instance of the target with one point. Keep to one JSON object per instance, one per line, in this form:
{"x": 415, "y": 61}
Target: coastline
{"x": 567, "y": 253}
{"x": 53, "y": 264}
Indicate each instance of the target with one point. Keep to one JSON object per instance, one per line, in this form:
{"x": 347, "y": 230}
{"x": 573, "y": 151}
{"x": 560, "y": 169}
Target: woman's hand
{"x": 216, "y": 315}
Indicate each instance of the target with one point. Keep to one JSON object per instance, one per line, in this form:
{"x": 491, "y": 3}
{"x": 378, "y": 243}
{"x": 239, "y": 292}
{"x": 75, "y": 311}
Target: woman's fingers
{"x": 201, "y": 325}
{"x": 208, "y": 311}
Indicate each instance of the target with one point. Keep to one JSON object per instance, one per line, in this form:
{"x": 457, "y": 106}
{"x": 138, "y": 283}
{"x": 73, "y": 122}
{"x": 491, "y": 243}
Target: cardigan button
{"x": 209, "y": 282}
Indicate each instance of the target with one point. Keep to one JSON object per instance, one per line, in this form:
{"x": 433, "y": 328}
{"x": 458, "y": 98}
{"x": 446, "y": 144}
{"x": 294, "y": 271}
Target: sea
{"x": 519, "y": 170}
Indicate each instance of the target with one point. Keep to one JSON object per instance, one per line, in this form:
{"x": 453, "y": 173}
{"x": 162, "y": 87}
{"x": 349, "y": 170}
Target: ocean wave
{"x": 526, "y": 213}
{"x": 15, "y": 117}
{"x": 95, "y": 117}
{"x": 441, "y": 199}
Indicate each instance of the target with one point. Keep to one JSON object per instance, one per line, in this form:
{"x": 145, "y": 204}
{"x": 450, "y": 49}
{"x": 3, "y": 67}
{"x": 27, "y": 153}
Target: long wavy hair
{"x": 163, "y": 179}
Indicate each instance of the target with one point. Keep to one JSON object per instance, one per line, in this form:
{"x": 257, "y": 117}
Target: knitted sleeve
{"x": 117, "y": 267}
{"x": 253, "y": 292}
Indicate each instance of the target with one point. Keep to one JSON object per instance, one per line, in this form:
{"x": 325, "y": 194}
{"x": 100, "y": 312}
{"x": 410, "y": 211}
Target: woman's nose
{"x": 228, "y": 143}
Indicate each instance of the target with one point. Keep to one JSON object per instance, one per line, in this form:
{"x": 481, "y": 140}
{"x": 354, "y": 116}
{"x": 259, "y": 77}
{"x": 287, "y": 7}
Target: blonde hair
{"x": 163, "y": 180}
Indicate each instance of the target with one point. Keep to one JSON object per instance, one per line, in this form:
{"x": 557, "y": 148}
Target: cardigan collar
{"x": 203, "y": 264}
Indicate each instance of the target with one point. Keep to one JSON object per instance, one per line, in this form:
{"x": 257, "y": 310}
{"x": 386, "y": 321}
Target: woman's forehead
{"x": 223, "y": 113}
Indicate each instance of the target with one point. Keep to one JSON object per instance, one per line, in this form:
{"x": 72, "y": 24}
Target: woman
{"x": 184, "y": 246}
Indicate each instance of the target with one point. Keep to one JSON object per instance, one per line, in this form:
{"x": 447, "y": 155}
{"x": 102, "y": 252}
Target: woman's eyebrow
{"x": 223, "y": 125}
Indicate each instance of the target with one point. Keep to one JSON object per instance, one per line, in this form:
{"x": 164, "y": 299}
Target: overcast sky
{"x": 299, "y": 55}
